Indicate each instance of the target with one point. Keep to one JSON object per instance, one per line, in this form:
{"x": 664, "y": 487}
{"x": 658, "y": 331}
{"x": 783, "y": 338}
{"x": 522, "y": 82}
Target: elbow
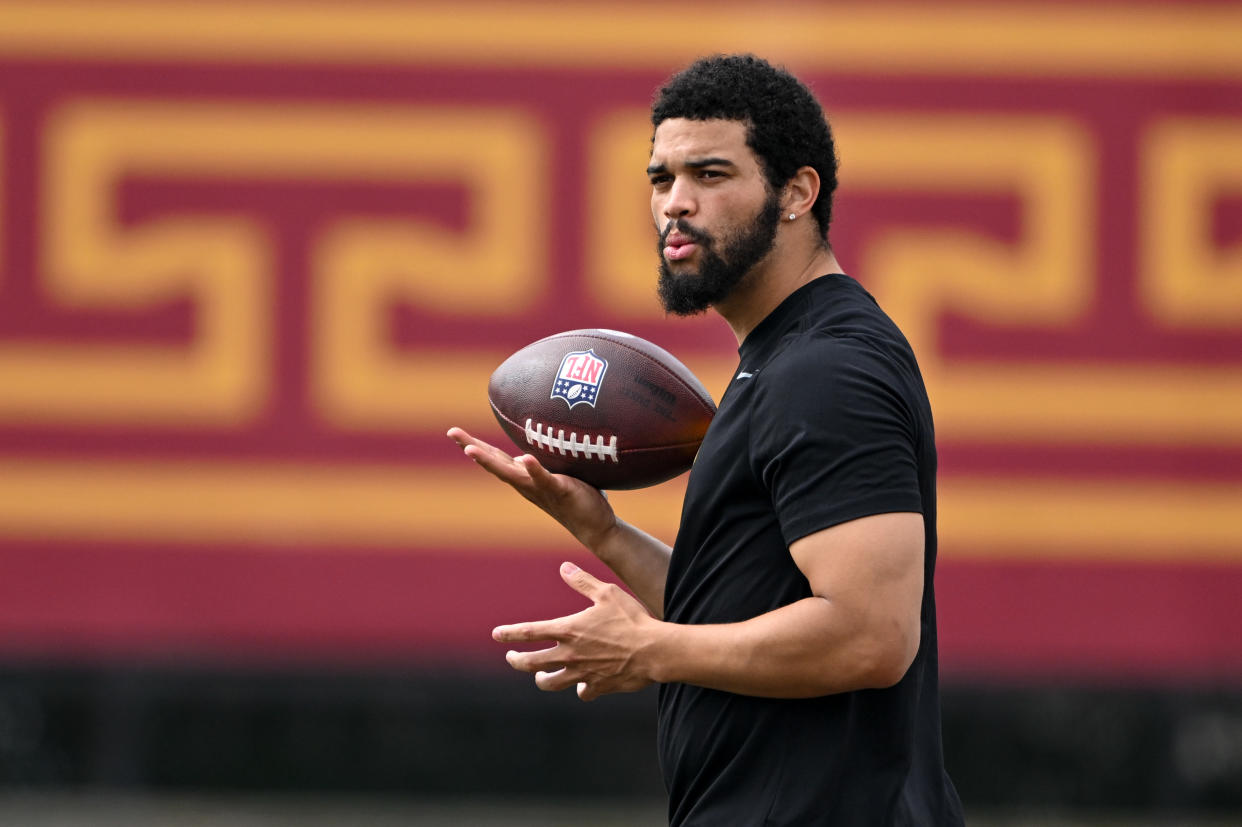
{"x": 889, "y": 659}
{"x": 888, "y": 673}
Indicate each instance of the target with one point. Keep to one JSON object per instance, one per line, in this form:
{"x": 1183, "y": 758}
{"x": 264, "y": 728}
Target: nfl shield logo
{"x": 579, "y": 378}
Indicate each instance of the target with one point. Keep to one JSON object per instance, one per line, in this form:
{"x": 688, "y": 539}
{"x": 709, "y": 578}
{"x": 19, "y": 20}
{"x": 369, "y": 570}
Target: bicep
{"x": 871, "y": 569}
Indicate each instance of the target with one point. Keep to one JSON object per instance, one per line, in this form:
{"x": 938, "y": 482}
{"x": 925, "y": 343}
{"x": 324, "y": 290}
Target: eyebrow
{"x": 695, "y": 164}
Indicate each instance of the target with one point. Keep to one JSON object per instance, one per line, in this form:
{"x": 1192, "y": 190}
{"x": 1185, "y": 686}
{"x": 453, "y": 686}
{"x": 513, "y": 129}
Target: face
{"x": 714, "y": 211}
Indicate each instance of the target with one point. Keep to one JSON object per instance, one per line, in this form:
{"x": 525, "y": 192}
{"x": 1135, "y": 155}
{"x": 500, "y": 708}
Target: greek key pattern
{"x": 205, "y": 278}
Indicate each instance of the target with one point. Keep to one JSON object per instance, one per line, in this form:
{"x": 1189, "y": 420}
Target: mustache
{"x": 685, "y": 228}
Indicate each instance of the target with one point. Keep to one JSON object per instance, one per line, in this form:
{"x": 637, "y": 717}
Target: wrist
{"x": 659, "y": 654}
{"x": 599, "y": 539}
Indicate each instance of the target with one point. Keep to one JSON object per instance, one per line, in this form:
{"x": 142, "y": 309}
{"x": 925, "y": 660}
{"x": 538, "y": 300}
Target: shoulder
{"x": 837, "y": 385}
{"x": 836, "y": 341}
{"x": 818, "y": 358}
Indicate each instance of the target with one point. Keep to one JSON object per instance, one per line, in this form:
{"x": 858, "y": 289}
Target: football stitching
{"x": 536, "y": 436}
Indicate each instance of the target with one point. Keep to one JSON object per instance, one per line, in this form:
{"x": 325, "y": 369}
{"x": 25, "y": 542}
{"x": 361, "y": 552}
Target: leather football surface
{"x": 607, "y": 407}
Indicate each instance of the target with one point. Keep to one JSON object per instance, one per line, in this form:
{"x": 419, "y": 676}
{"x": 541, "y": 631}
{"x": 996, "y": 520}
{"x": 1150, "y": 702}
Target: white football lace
{"x": 572, "y": 446}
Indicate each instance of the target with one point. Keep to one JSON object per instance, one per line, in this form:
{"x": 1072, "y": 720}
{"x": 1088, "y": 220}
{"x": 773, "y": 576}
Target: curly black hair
{"x": 786, "y": 127}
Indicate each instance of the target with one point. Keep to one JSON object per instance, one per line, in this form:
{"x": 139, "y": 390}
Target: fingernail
{"x": 568, "y": 569}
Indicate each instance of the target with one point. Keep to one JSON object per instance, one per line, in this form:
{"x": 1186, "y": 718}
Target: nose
{"x": 679, "y": 200}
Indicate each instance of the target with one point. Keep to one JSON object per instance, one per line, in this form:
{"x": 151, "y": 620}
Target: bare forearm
{"x": 640, "y": 560}
{"x": 806, "y": 649}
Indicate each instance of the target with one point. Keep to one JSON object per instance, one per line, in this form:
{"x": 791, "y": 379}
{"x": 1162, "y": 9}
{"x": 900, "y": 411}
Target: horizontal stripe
{"x": 1060, "y": 39}
{"x": 1158, "y": 622}
{"x": 403, "y": 508}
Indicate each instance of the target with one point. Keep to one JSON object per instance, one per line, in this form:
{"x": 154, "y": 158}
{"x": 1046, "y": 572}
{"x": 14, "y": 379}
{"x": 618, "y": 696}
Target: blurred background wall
{"x": 255, "y": 259}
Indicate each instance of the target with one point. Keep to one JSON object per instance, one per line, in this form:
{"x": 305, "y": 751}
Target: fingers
{"x": 543, "y": 480}
{"x": 474, "y": 447}
{"x": 580, "y": 657}
{"x": 538, "y": 474}
{"x": 540, "y": 661}
{"x": 523, "y": 472}
{"x": 465, "y": 440}
{"x": 547, "y": 665}
{"x": 553, "y": 681}
{"x": 494, "y": 458}
{"x": 582, "y": 581}
{"x": 556, "y": 629}
{"x": 560, "y": 628}
{"x": 551, "y": 675}
{"x": 536, "y": 630}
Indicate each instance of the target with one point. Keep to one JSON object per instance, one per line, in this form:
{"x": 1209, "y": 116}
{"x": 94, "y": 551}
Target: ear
{"x": 801, "y": 191}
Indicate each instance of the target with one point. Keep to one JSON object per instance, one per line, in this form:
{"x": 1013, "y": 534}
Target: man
{"x": 792, "y": 626}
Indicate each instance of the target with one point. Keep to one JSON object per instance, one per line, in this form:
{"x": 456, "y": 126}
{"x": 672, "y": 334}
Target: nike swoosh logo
{"x": 744, "y": 375}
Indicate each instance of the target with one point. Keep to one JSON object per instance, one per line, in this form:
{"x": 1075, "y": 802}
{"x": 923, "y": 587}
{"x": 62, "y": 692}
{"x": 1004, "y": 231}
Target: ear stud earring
{"x": 792, "y": 216}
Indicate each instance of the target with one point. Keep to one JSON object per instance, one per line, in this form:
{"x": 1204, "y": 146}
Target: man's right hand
{"x": 581, "y": 508}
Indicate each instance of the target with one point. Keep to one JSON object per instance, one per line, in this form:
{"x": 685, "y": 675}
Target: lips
{"x": 678, "y": 246}
{"x": 676, "y": 252}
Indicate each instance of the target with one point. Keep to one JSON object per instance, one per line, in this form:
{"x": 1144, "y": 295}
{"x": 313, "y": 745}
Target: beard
{"x": 719, "y": 272}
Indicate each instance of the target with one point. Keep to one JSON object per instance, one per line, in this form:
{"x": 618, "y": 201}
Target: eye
{"x": 660, "y": 180}
{"x": 711, "y": 173}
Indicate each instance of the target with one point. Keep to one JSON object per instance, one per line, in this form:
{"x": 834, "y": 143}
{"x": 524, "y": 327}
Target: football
{"x": 609, "y": 408}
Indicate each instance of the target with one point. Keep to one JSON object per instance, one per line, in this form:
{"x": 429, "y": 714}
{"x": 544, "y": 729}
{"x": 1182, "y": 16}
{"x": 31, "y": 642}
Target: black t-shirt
{"x": 825, "y": 421}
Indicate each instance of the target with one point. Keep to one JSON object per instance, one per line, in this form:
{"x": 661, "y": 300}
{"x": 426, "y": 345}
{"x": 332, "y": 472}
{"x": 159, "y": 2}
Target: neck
{"x": 772, "y": 281}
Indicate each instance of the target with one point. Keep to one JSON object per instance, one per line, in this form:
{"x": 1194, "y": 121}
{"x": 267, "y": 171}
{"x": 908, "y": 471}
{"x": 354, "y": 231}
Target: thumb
{"x": 581, "y": 581}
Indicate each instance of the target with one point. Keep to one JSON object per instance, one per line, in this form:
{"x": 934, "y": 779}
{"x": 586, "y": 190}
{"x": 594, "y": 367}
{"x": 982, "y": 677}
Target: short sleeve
{"x": 833, "y": 436}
